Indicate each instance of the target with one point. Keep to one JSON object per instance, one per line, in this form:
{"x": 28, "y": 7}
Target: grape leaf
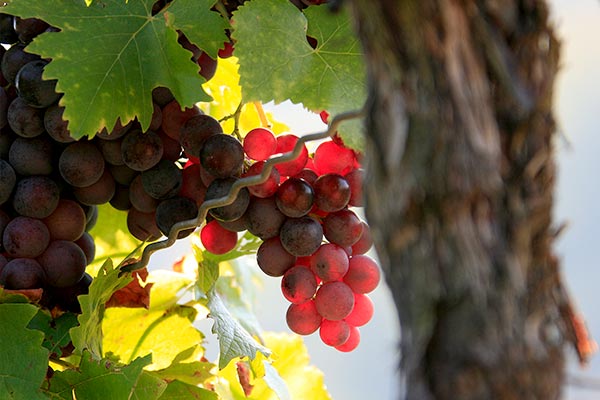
{"x": 178, "y": 390}
{"x": 192, "y": 373}
{"x": 165, "y": 329}
{"x": 109, "y": 56}
{"x": 133, "y": 295}
{"x": 277, "y": 62}
{"x": 101, "y": 379}
{"x": 88, "y": 335}
{"x": 203, "y": 27}
{"x": 23, "y": 360}
{"x": 234, "y": 340}
{"x": 56, "y": 330}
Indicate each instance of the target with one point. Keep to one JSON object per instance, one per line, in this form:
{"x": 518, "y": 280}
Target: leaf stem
{"x": 261, "y": 115}
{"x": 222, "y": 10}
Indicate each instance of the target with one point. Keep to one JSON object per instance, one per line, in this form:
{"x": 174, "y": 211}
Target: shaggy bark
{"x": 460, "y": 183}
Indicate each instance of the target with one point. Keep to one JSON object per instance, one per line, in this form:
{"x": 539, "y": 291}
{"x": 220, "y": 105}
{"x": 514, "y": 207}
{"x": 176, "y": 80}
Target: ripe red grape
{"x": 286, "y": 143}
{"x": 334, "y": 333}
{"x": 139, "y": 198}
{"x": 25, "y": 237}
{"x": 355, "y": 180}
{"x": 36, "y": 196}
{"x": 273, "y": 259}
{"x": 294, "y": 197}
{"x": 298, "y": 284}
{"x": 141, "y": 150}
{"x": 162, "y": 181}
{"x": 330, "y": 262}
{"x": 8, "y": 180}
{"x": 67, "y": 221}
{"x": 216, "y": 239}
{"x": 342, "y": 227}
{"x": 268, "y": 187}
{"x": 334, "y": 300}
{"x": 142, "y": 225}
{"x": 264, "y": 219}
{"x": 352, "y": 342}
{"x": 332, "y": 158}
{"x": 220, "y": 188}
{"x": 63, "y": 262}
{"x": 173, "y": 116}
{"x": 260, "y": 144}
{"x": 222, "y": 156}
{"x": 363, "y": 274}
{"x": 362, "y": 311}
{"x": 195, "y": 131}
{"x": 303, "y": 319}
{"x": 332, "y": 192}
{"x": 365, "y": 242}
{"x": 81, "y": 164}
{"x": 301, "y": 236}
{"x": 34, "y": 156}
{"x": 97, "y": 193}
{"x": 22, "y": 273}
{"x": 174, "y": 210}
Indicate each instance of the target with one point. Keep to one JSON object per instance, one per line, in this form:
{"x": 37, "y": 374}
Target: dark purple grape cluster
{"x": 52, "y": 184}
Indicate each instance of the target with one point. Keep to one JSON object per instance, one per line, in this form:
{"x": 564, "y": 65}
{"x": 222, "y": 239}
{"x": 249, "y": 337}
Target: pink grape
{"x": 334, "y": 333}
{"x": 286, "y": 143}
{"x": 352, "y": 342}
{"x": 342, "y": 227}
{"x": 363, "y": 274}
{"x": 269, "y": 187}
{"x": 332, "y": 158}
{"x": 298, "y": 284}
{"x": 216, "y": 239}
{"x": 332, "y": 192}
{"x": 330, "y": 262}
{"x": 362, "y": 311}
{"x": 365, "y": 242}
{"x": 334, "y": 300}
{"x": 260, "y": 144}
{"x": 355, "y": 180}
{"x": 303, "y": 319}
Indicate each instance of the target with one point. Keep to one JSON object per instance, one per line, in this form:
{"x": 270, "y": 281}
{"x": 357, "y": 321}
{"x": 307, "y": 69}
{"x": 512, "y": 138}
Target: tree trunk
{"x": 460, "y": 182}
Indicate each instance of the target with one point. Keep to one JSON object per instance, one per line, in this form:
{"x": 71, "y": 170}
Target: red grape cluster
{"x": 310, "y": 236}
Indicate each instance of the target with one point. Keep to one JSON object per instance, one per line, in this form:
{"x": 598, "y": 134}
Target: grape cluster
{"x": 51, "y": 184}
{"x": 311, "y": 236}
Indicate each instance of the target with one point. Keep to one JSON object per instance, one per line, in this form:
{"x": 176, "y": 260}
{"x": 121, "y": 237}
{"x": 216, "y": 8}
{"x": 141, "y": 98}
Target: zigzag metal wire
{"x": 235, "y": 189}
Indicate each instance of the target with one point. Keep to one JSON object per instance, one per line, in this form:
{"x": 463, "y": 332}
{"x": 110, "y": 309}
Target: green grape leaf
{"x": 23, "y": 360}
{"x": 101, "y": 379}
{"x": 178, "y": 390}
{"x": 108, "y": 57}
{"x": 234, "y": 339}
{"x": 189, "y": 15}
{"x": 56, "y": 330}
{"x": 149, "y": 387}
{"x": 164, "y": 330}
{"x": 277, "y": 62}
{"x": 88, "y": 335}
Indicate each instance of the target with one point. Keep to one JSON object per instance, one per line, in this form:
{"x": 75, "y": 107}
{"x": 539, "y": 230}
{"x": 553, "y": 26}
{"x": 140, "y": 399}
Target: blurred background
{"x": 371, "y": 370}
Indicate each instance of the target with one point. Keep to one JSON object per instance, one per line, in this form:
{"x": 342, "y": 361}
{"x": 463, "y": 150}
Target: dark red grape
{"x": 174, "y": 210}
{"x": 330, "y": 262}
{"x": 81, "y": 164}
{"x": 142, "y": 225}
{"x": 8, "y": 180}
{"x": 222, "y": 156}
{"x": 303, "y": 319}
{"x": 173, "y": 118}
{"x": 294, "y": 197}
{"x": 342, "y": 227}
{"x": 24, "y": 120}
{"x": 273, "y": 259}
{"x": 111, "y": 150}
{"x": 298, "y": 284}
{"x": 56, "y": 126}
{"x": 332, "y": 192}
{"x": 63, "y": 262}
{"x": 355, "y": 180}
{"x": 25, "y": 237}
{"x": 195, "y": 131}
{"x": 365, "y": 242}
{"x": 264, "y": 219}
{"x": 67, "y": 221}
{"x": 301, "y": 236}
{"x": 268, "y": 187}
{"x": 34, "y": 90}
{"x": 100, "y": 192}
{"x": 14, "y": 58}
{"x": 22, "y": 273}
{"x": 220, "y": 188}
{"x": 141, "y": 150}
{"x": 334, "y": 300}
{"x": 36, "y": 196}
{"x": 33, "y": 156}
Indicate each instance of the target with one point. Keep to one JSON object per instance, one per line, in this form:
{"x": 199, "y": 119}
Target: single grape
{"x": 111, "y": 150}
{"x": 268, "y": 187}
{"x": 192, "y": 186}
{"x": 332, "y": 192}
{"x": 307, "y": 175}
{"x": 362, "y": 311}
{"x": 332, "y": 158}
{"x": 139, "y": 198}
{"x": 174, "y": 210}
{"x": 122, "y": 174}
{"x": 355, "y": 180}
{"x": 141, "y": 150}
{"x": 285, "y": 144}
{"x": 273, "y": 259}
{"x": 363, "y": 274}
{"x": 334, "y": 300}
{"x": 303, "y": 319}
{"x": 86, "y": 243}
{"x": 67, "y": 221}
{"x": 97, "y": 193}
{"x": 196, "y": 130}
{"x": 63, "y": 262}
{"x": 222, "y": 156}
{"x": 81, "y": 164}
{"x": 330, "y": 262}
{"x": 25, "y": 237}
{"x": 260, "y": 144}
{"x": 33, "y": 156}
{"x": 365, "y": 242}
{"x": 216, "y": 239}
{"x": 56, "y": 126}
{"x": 342, "y": 227}
{"x": 8, "y": 180}
{"x": 264, "y": 219}
{"x": 334, "y": 333}
{"x": 14, "y": 58}
{"x": 301, "y": 236}
{"x": 298, "y": 284}
{"x": 142, "y": 225}
{"x": 22, "y": 273}
{"x": 220, "y": 188}
{"x": 120, "y": 199}
{"x": 173, "y": 118}
{"x": 294, "y": 197}
{"x": 34, "y": 90}
{"x": 24, "y": 120}
{"x": 352, "y": 342}
{"x": 36, "y": 196}
{"x": 162, "y": 181}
